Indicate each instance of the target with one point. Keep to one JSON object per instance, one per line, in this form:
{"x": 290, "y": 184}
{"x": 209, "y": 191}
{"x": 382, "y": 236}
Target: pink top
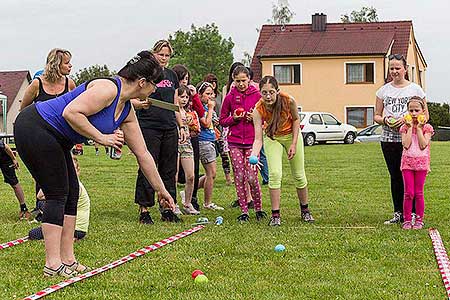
{"x": 414, "y": 158}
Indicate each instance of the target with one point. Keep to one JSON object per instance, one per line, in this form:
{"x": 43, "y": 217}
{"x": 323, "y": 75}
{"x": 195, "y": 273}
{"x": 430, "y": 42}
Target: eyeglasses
{"x": 271, "y": 92}
{"x": 396, "y": 56}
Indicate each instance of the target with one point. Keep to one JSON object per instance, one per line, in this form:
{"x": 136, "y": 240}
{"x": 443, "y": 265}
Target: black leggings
{"x": 163, "y": 146}
{"x": 392, "y": 153}
{"x": 46, "y": 154}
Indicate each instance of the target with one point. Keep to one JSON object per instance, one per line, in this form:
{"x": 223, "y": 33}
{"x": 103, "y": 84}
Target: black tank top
{"x": 43, "y": 96}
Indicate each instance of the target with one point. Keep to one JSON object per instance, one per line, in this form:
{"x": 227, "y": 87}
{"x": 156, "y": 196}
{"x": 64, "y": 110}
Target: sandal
{"x": 77, "y": 267}
{"x": 62, "y": 270}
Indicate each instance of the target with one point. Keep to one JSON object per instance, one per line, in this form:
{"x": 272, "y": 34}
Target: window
{"x": 302, "y": 116}
{"x": 360, "y": 73}
{"x": 287, "y": 74}
{"x": 360, "y": 116}
{"x": 315, "y": 119}
{"x": 329, "y": 120}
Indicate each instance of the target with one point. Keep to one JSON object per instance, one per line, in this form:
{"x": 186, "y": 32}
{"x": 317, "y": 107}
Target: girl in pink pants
{"x": 415, "y": 164}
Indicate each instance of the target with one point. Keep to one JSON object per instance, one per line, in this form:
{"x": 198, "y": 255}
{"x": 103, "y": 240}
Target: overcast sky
{"x": 110, "y": 32}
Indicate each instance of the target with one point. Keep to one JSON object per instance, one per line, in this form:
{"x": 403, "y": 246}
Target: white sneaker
{"x": 190, "y": 210}
{"x": 177, "y": 210}
{"x": 212, "y": 206}
{"x": 183, "y": 197}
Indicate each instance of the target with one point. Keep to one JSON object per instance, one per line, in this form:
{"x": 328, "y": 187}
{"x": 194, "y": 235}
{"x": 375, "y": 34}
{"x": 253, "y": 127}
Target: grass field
{"x": 349, "y": 186}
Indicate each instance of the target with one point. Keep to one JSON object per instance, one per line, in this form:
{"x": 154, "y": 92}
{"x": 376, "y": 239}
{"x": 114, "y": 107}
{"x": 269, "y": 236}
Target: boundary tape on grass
{"x": 13, "y": 243}
{"x": 441, "y": 258}
{"x": 125, "y": 259}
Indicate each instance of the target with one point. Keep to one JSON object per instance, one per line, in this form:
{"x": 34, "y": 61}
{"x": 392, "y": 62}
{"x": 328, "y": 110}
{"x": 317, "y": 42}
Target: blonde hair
{"x": 54, "y": 59}
{"x": 416, "y": 99}
{"x": 161, "y": 44}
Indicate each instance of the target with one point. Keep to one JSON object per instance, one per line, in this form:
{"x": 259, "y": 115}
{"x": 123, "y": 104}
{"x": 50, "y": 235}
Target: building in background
{"x": 12, "y": 85}
{"x": 336, "y": 67}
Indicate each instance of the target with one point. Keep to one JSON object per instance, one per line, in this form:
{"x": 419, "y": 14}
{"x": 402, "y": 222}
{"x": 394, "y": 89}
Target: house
{"x": 336, "y": 67}
{"x": 12, "y": 85}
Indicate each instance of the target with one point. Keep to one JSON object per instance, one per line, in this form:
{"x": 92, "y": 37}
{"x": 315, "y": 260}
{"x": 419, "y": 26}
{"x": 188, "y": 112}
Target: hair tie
{"x": 134, "y": 60}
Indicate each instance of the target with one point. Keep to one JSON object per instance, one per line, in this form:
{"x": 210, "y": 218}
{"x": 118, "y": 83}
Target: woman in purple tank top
{"x": 46, "y": 131}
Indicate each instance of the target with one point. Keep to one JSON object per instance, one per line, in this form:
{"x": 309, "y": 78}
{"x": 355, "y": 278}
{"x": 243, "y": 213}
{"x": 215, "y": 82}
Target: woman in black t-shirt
{"x": 159, "y": 127}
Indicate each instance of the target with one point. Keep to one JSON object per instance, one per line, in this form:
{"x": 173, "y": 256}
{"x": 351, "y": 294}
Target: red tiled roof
{"x": 10, "y": 83}
{"x": 338, "y": 39}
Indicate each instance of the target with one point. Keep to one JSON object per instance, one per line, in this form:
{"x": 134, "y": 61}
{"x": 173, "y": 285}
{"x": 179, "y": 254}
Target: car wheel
{"x": 350, "y": 138}
{"x": 310, "y": 139}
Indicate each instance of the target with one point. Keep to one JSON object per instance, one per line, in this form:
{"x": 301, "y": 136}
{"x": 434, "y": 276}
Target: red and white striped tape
{"x": 13, "y": 243}
{"x": 114, "y": 264}
{"x": 441, "y": 258}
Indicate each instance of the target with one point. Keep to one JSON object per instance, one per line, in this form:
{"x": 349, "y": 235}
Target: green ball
{"x": 200, "y": 279}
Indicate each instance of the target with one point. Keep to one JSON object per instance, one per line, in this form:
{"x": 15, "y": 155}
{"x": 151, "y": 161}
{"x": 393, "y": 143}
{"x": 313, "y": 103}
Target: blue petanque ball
{"x": 280, "y": 248}
{"x": 253, "y": 160}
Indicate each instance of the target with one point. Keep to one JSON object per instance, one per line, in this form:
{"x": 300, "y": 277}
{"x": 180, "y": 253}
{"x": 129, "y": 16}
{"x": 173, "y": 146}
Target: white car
{"x": 322, "y": 127}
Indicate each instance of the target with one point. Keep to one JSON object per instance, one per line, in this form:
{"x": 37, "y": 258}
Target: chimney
{"x": 319, "y": 22}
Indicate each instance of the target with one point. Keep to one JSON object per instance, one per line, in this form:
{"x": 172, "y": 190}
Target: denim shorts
{"x": 207, "y": 152}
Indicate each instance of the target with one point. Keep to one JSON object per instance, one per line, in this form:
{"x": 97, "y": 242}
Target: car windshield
{"x": 371, "y": 129}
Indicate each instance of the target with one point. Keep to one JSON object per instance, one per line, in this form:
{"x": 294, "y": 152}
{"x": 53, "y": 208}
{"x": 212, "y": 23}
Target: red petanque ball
{"x": 196, "y": 273}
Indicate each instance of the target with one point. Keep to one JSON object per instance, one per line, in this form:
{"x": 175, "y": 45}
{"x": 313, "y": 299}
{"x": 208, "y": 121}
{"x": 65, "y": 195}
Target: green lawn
{"x": 348, "y": 184}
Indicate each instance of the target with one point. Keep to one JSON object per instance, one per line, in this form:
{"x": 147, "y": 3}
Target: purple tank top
{"x": 52, "y": 110}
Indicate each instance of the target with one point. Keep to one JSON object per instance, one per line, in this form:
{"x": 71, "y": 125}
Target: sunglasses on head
{"x": 205, "y": 83}
{"x": 396, "y": 56}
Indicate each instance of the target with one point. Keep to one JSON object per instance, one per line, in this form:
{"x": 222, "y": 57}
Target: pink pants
{"x": 414, "y": 182}
{"x": 242, "y": 174}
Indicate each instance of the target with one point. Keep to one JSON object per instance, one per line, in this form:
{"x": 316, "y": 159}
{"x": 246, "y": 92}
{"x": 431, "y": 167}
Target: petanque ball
{"x": 201, "y": 279}
{"x": 280, "y": 248}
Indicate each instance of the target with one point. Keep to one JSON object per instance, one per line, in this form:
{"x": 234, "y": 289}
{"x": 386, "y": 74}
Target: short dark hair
{"x": 142, "y": 65}
{"x": 181, "y": 72}
{"x": 184, "y": 89}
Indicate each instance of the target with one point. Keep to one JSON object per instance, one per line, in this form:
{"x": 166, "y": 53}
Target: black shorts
{"x": 9, "y": 173}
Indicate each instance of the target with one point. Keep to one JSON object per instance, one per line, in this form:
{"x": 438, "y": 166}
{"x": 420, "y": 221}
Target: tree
{"x": 281, "y": 13}
{"x": 365, "y": 15}
{"x": 92, "y": 72}
{"x": 439, "y": 114}
{"x": 203, "y": 50}
{"x": 247, "y": 60}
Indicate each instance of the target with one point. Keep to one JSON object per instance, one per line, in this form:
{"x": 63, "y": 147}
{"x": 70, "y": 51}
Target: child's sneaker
{"x": 190, "y": 210}
{"x": 213, "y": 206}
{"x": 275, "y": 221}
{"x": 418, "y": 224}
{"x": 260, "y": 215}
{"x": 307, "y": 216}
{"x": 396, "y": 219}
{"x": 407, "y": 225}
{"x": 243, "y": 218}
{"x": 24, "y": 215}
